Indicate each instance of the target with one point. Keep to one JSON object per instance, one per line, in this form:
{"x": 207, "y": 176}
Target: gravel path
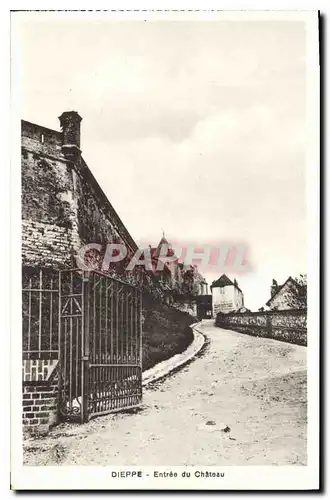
{"x": 253, "y": 388}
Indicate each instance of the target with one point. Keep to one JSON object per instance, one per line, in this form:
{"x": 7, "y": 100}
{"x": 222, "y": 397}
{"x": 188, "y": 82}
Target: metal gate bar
{"x": 101, "y": 344}
{"x": 71, "y": 311}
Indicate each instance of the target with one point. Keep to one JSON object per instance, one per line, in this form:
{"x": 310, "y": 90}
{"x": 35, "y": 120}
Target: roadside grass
{"x": 166, "y": 332}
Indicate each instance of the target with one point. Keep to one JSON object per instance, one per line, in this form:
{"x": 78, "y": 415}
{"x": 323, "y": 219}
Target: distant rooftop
{"x": 225, "y": 281}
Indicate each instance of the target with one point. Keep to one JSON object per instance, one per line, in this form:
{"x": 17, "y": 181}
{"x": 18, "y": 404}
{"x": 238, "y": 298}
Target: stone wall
{"x": 49, "y": 226}
{"x": 288, "y": 326}
{"x": 46, "y": 244}
{"x": 63, "y": 206}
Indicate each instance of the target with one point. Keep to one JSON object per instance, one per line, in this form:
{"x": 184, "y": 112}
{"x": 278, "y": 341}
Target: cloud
{"x": 139, "y": 79}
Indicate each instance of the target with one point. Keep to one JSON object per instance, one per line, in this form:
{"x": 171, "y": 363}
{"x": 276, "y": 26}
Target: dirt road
{"x": 254, "y": 387}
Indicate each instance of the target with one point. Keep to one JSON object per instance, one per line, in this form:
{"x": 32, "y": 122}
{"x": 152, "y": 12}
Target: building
{"x": 184, "y": 280}
{"x": 226, "y": 295}
{"x": 292, "y": 294}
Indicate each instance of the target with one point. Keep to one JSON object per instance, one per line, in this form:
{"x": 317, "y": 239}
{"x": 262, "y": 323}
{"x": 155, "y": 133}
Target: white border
{"x": 313, "y": 239}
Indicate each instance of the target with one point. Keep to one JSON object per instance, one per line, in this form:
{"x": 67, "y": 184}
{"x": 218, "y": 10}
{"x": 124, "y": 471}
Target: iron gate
{"x": 100, "y": 344}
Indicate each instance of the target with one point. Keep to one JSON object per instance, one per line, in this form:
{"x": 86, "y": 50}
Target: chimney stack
{"x": 273, "y": 288}
{"x": 70, "y": 124}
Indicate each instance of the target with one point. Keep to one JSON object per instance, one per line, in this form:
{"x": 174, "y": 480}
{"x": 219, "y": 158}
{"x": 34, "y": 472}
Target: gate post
{"x": 85, "y": 347}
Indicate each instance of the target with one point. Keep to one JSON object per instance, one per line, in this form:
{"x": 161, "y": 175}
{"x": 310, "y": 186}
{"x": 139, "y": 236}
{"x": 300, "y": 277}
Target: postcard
{"x": 165, "y": 168}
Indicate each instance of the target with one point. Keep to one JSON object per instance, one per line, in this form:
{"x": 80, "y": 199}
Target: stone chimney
{"x": 70, "y": 124}
{"x": 273, "y": 288}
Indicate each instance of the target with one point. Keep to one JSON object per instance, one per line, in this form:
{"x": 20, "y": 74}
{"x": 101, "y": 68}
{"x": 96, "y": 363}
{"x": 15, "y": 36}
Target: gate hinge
{"x": 85, "y": 358}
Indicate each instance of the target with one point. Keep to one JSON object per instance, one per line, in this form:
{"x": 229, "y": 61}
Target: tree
{"x": 297, "y": 299}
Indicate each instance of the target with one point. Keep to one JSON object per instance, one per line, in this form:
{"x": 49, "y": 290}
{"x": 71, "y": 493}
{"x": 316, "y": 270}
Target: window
{"x": 42, "y": 138}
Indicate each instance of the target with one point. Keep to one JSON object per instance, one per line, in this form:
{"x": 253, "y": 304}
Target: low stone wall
{"x": 287, "y": 326}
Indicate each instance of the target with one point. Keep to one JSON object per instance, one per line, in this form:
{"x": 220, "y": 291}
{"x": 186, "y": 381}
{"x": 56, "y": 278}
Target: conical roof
{"x": 164, "y": 241}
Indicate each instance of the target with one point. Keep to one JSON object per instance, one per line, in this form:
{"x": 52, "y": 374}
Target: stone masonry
{"x": 40, "y": 395}
{"x": 63, "y": 206}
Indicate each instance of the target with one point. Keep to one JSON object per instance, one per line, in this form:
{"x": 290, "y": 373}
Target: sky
{"x": 194, "y": 128}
